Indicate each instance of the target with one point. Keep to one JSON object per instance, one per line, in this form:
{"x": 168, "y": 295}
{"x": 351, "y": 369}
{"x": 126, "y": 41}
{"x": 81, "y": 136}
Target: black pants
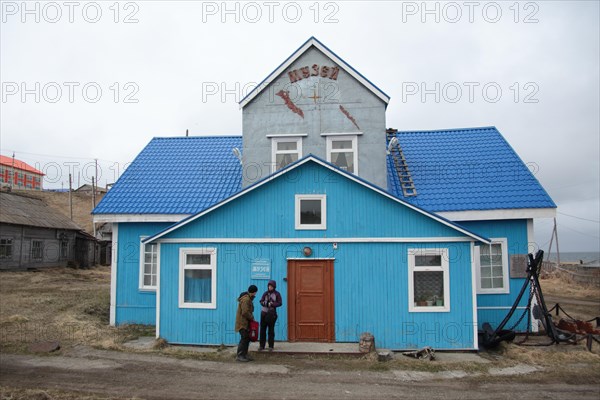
{"x": 242, "y": 350}
{"x": 267, "y": 322}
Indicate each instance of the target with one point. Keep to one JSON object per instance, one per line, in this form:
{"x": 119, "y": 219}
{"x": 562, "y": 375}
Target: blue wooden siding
{"x": 352, "y": 211}
{"x": 132, "y": 304}
{"x": 370, "y": 279}
{"x": 515, "y": 231}
{"x": 370, "y": 294}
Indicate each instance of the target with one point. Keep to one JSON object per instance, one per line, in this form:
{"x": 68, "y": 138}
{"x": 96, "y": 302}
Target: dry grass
{"x": 12, "y": 393}
{"x": 560, "y": 285}
{"x": 71, "y": 306}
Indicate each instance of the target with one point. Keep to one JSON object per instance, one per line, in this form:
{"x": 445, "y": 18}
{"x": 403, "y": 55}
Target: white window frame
{"x": 275, "y": 152}
{"x": 503, "y": 242}
{"x": 183, "y": 253}
{"x": 142, "y": 265}
{"x": 445, "y": 268}
{"x": 335, "y": 138}
{"x": 323, "y": 199}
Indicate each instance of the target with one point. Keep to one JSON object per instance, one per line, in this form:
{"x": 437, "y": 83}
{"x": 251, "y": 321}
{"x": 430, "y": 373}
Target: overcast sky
{"x": 85, "y": 80}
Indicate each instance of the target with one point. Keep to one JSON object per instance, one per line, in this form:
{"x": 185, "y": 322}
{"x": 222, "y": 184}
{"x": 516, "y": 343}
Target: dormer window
{"x": 285, "y": 150}
{"x": 342, "y": 152}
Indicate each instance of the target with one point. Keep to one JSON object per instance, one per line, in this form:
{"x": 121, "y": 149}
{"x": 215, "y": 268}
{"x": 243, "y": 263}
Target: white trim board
{"x": 139, "y": 217}
{"x": 113, "y": 274}
{"x": 158, "y": 295}
{"x": 284, "y": 135}
{"x": 513, "y": 213}
{"x": 320, "y": 240}
{"x": 530, "y": 233}
{"x": 292, "y": 58}
{"x": 474, "y": 294}
{"x": 334, "y": 169}
{"x": 341, "y": 133}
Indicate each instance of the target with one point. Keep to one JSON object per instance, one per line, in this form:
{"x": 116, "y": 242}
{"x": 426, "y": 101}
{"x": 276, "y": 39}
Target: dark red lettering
{"x": 315, "y": 70}
{"x": 334, "y": 73}
{"x": 294, "y": 76}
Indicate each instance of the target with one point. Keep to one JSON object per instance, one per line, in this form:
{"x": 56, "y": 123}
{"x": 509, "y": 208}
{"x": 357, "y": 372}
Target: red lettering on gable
{"x": 314, "y": 70}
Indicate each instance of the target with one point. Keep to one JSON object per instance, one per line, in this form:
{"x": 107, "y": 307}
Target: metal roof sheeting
{"x": 466, "y": 169}
{"x": 453, "y": 170}
{"x": 19, "y": 209}
{"x": 18, "y": 164}
{"x": 176, "y": 175}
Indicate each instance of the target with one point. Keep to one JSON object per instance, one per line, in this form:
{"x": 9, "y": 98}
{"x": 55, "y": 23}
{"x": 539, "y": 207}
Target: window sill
{"x": 147, "y": 289}
{"x": 493, "y": 291}
{"x": 211, "y": 306}
{"x": 428, "y": 309}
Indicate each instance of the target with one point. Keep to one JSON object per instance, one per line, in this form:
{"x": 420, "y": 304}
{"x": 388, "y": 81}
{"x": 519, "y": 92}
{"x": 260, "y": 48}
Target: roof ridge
{"x": 197, "y": 137}
{"x": 480, "y": 128}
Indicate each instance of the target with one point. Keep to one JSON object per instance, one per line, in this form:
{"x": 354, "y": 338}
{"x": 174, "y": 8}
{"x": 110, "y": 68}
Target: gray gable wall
{"x": 268, "y": 114}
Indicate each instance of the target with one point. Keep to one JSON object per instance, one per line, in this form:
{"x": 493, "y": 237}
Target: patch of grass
{"x": 563, "y": 287}
{"x": 201, "y": 356}
{"x": 379, "y": 367}
{"x": 12, "y": 393}
{"x": 129, "y": 332}
{"x": 99, "y": 307}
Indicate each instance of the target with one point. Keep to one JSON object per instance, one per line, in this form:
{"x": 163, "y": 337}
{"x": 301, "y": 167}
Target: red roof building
{"x": 24, "y": 176}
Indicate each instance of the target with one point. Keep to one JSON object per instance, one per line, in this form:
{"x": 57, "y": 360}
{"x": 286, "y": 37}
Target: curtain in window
{"x": 197, "y": 286}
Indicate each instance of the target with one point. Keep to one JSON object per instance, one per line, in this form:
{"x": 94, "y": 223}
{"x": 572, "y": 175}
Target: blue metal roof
{"x": 466, "y": 169}
{"x": 453, "y": 170}
{"x": 176, "y": 175}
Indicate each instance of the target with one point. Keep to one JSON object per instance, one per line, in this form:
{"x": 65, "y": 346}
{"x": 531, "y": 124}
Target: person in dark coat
{"x": 245, "y": 314}
{"x": 269, "y": 301}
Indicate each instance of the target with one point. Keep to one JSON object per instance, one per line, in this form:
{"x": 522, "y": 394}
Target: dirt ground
{"x": 72, "y": 306}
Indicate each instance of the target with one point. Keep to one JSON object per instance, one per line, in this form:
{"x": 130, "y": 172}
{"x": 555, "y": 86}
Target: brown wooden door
{"x": 310, "y": 301}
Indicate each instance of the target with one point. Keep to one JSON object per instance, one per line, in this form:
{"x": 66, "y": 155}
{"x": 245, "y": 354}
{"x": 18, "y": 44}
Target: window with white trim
{"x": 342, "y": 152}
{"x": 197, "y": 278}
{"x": 428, "y": 280}
{"x": 148, "y": 265}
{"x": 285, "y": 151}
{"x": 311, "y": 211}
{"x": 493, "y": 267}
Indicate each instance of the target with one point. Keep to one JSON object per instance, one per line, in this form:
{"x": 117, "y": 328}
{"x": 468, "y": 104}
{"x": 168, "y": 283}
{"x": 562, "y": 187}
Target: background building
{"x": 19, "y": 175}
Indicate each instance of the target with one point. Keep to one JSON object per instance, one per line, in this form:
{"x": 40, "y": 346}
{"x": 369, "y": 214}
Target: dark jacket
{"x": 270, "y": 301}
{"x": 245, "y": 312}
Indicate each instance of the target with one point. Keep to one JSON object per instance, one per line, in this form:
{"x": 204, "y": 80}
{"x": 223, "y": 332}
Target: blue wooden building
{"x": 417, "y": 237}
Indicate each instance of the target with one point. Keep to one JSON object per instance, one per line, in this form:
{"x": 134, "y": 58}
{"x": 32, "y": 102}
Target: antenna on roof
{"x": 187, "y": 132}
{"x": 236, "y": 152}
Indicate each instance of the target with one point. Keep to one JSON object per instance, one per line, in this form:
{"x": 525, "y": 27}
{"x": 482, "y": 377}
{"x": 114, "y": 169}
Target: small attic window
{"x": 285, "y": 151}
{"x": 311, "y": 212}
{"x": 342, "y": 152}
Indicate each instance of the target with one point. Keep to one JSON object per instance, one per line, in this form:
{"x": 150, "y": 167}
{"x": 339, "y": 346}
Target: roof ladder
{"x": 406, "y": 181}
